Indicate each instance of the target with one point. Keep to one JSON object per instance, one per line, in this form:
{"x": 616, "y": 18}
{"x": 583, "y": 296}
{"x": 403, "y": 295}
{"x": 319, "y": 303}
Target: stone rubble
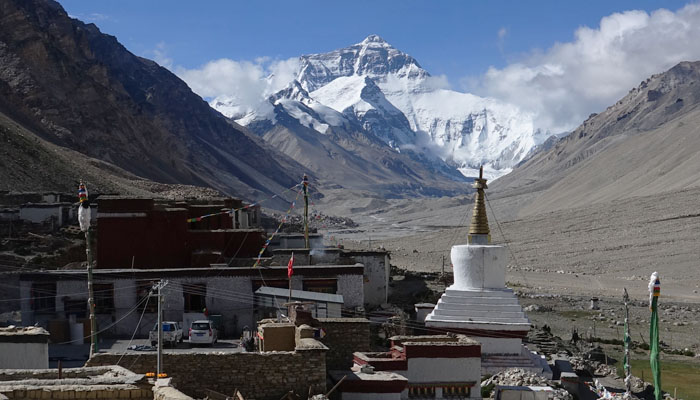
{"x": 520, "y": 377}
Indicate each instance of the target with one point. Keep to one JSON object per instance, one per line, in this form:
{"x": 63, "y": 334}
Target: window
{"x": 104, "y": 298}
{"x": 43, "y": 297}
{"x": 195, "y": 296}
{"x": 201, "y": 326}
{"x": 254, "y": 217}
{"x": 142, "y": 290}
{"x": 321, "y": 285}
{"x": 77, "y": 307}
{"x": 456, "y": 391}
{"x": 421, "y": 391}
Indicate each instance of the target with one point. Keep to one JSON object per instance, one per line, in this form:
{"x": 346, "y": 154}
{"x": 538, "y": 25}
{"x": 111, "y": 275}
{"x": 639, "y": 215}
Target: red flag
{"x": 290, "y": 269}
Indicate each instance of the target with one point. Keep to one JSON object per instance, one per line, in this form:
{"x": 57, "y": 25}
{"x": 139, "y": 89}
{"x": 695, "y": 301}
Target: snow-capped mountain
{"x": 387, "y": 94}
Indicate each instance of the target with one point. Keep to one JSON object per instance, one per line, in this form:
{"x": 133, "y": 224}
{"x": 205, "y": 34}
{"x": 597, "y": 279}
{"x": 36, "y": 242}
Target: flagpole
{"x": 654, "y": 292}
{"x": 627, "y": 339}
{"x": 305, "y": 181}
{"x": 290, "y": 272}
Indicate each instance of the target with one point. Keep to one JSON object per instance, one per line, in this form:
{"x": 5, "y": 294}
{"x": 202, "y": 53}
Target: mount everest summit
{"x": 372, "y": 95}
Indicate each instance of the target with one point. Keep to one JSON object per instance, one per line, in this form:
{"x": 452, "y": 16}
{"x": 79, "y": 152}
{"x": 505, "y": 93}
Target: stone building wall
{"x": 350, "y": 287}
{"x": 344, "y": 336}
{"x": 258, "y": 376}
{"x": 107, "y": 392}
{"x": 376, "y": 274}
{"x": 110, "y": 382}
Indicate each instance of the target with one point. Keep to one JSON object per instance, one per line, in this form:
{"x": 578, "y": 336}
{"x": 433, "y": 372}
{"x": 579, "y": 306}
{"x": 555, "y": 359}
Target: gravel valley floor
{"x": 575, "y": 254}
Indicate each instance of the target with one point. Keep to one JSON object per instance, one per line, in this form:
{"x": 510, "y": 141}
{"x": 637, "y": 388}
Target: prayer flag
{"x": 290, "y": 267}
{"x": 83, "y": 208}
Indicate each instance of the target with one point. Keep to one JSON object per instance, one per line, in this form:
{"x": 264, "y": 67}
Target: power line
{"x": 505, "y": 240}
{"x": 137, "y": 327}
{"x": 113, "y": 323}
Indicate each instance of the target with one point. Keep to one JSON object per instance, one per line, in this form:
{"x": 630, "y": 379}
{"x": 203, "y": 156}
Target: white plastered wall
{"x": 431, "y": 370}
{"x": 479, "y": 267}
{"x": 24, "y": 355}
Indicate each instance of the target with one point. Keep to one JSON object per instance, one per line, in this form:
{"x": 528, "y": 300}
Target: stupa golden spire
{"x": 480, "y": 223}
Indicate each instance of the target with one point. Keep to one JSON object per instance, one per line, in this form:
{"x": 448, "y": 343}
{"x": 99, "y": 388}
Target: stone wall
{"x": 376, "y": 285}
{"x": 92, "y": 392}
{"x": 350, "y": 287}
{"x": 168, "y": 393}
{"x": 256, "y": 375}
{"x": 76, "y": 383}
{"x": 343, "y": 337}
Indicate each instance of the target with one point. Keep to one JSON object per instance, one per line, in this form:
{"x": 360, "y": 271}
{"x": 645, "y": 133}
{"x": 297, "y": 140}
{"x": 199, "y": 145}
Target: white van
{"x": 203, "y": 332}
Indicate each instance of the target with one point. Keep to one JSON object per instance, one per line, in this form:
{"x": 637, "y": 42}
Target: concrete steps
{"x": 480, "y": 292}
{"x": 482, "y": 307}
{"x": 480, "y": 315}
{"x": 437, "y": 317}
{"x": 476, "y": 300}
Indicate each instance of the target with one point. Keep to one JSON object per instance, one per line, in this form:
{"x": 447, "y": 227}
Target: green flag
{"x": 654, "y": 292}
{"x": 627, "y": 340}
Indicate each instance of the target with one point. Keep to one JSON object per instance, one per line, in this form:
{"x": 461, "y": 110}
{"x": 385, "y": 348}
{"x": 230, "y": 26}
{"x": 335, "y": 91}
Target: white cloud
{"x": 160, "y": 55}
{"x": 567, "y": 82}
{"x": 502, "y": 33}
{"x": 248, "y": 81}
{"x": 91, "y": 17}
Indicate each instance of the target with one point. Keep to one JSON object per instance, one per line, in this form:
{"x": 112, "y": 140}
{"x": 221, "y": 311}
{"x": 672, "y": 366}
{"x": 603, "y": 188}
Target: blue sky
{"x": 454, "y": 38}
{"x": 479, "y": 46}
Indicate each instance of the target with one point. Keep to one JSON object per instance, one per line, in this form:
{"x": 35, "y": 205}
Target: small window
{"x": 104, "y": 298}
{"x": 43, "y": 297}
{"x": 455, "y": 391}
{"x": 195, "y": 297}
{"x": 329, "y": 286}
{"x": 421, "y": 391}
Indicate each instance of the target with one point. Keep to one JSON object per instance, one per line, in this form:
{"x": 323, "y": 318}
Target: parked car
{"x": 203, "y": 332}
{"x": 172, "y": 333}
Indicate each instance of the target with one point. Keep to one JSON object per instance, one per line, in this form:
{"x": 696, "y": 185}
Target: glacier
{"x": 385, "y": 91}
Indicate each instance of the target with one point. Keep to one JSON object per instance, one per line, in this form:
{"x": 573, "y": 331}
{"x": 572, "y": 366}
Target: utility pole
{"x": 305, "y": 181}
{"x": 91, "y": 297}
{"x": 160, "y": 285}
{"x": 84, "y": 221}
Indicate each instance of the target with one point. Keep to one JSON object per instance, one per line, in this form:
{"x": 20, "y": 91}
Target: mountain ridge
{"x": 79, "y": 88}
{"x": 646, "y": 143}
{"x": 374, "y": 83}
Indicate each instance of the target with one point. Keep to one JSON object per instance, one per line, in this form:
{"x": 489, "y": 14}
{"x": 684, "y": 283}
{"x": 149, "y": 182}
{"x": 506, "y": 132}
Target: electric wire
{"x": 137, "y": 327}
{"x": 110, "y": 325}
{"x": 62, "y": 294}
{"x": 505, "y": 240}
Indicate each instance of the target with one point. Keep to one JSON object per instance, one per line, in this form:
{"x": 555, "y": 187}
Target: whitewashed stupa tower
{"x": 479, "y": 304}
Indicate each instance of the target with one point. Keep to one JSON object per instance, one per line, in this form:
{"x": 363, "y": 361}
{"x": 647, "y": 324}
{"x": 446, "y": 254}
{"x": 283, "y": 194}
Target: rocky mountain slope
{"x": 30, "y": 163}
{"x": 79, "y": 89}
{"x": 388, "y": 95}
{"x": 646, "y": 143}
{"x": 347, "y": 156}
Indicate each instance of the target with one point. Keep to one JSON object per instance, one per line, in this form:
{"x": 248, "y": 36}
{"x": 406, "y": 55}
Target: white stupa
{"x": 479, "y": 304}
